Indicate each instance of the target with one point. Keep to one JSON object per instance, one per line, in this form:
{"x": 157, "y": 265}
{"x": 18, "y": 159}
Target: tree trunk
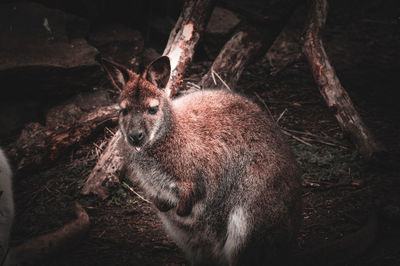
{"x": 184, "y": 37}
{"x": 252, "y": 40}
{"x": 229, "y": 64}
{"x": 329, "y": 85}
{"x": 180, "y": 49}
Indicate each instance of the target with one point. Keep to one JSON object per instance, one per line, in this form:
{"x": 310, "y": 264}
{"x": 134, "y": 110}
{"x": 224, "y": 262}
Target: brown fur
{"x": 217, "y": 168}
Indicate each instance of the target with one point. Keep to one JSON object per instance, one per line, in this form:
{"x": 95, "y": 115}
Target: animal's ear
{"x": 159, "y": 71}
{"x": 117, "y": 73}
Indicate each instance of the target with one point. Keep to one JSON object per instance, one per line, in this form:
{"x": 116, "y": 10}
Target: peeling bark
{"x": 329, "y": 84}
{"x": 184, "y": 37}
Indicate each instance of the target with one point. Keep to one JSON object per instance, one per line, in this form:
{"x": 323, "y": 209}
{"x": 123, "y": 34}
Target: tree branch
{"x": 329, "y": 85}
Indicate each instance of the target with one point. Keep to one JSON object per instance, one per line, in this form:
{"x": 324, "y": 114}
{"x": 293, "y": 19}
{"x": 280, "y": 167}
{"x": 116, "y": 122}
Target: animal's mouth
{"x": 138, "y": 148}
{"x": 135, "y": 143}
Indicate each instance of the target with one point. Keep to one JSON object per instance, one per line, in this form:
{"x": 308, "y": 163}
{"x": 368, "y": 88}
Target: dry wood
{"x": 321, "y": 185}
{"x": 184, "y": 38}
{"x": 232, "y": 59}
{"x": 311, "y": 137}
{"x": 321, "y": 139}
{"x": 39, "y": 146}
{"x": 108, "y": 169}
{"x": 329, "y": 85}
{"x": 295, "y": 137}
{"x": 180, "y": 50}
{"x": 246, "y": 44}
{"x": 134, "y": 192}
{"x": 40, "y": 247}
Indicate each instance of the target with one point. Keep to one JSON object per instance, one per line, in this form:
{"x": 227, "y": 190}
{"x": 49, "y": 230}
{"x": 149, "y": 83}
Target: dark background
{"x": 362, "y": 39}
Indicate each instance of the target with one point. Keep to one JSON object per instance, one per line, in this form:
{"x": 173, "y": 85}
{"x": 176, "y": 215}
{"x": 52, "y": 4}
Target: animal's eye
{"x": 123, "y": 111}
{"x": 152, "y": 110}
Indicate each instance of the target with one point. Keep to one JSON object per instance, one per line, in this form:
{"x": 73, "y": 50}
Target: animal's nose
{"x": 135, "y": 138}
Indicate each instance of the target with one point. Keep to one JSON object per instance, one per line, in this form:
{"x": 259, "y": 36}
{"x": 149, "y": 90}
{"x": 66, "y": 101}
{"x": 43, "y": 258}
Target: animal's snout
{"x": 136, "y": 138}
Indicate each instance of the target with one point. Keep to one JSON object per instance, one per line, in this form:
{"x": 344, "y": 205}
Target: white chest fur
{"x": 155, "y": 182}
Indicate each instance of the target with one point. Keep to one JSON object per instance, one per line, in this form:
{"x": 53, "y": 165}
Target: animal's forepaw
{"x": 184, "y": 208}
{"x": 163, "y": 206}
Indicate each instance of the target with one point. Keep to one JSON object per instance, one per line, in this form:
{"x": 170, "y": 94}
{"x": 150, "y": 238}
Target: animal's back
{"x": 219, "y": 121}
{"x": 6, "y": 204}
{"x": 252, "y": 198}
{"x": 223, "y": 127}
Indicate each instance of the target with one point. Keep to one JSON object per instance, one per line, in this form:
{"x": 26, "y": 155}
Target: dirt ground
{"x": 340, "y": 187}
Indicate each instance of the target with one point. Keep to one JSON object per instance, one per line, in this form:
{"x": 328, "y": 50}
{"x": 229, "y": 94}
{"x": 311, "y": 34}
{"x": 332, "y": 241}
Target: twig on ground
{"x": 296, "y": 138}
{"x": 193, "y": 85}
{"x": 321, "y": 139}
{"x": 323, "y": 185}
{"x": 281, "y": 115}
{"x": 213, "y": 76}
{"x": 282, "y": 130}
{"x": 263, "y": 102}
{"x": 110, "y": 131}
{"x": 134, "y": 192}
{"x": 219, "y": 77}
{"x": 98, "y": 147}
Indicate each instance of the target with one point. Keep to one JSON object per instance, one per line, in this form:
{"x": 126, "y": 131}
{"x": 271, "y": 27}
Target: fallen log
{"x": 41, "y": 247}
{"x": 249, "y": 42}
{"x": 180, "y": 49}
{"x": 39, "y": 146}
{"x": 108, "y": 169}
{"x": 229, "y": 64}
{"x": 329, "y": 84}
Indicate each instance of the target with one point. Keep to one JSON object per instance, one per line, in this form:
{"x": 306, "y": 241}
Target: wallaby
{"x": 6, "y": 205}
{"x": 216, "y": 166}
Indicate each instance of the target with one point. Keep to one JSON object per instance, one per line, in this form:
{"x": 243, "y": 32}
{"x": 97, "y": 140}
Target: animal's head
{"x": 144, "y": 107}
